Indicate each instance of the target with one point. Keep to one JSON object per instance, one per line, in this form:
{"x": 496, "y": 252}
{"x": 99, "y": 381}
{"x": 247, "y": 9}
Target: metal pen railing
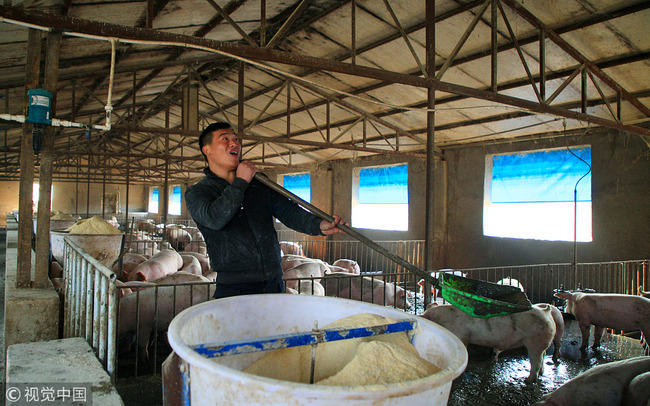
{"x": 90, "y": 304}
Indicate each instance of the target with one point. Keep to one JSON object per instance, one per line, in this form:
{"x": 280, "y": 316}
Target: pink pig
{"x": 615, "y": 383}
{"x": 163, "y": 263}
{"x": 533, "y": 329}
{"x": 619, "y": 312}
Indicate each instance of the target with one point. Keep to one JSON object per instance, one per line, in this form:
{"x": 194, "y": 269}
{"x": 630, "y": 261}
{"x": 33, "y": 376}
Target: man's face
{"x": 224, "y": 149}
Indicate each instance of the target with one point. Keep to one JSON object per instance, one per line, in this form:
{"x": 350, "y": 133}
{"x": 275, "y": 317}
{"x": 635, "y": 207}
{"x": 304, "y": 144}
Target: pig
{"x": 533, "y": 329}
{"x": 178, "y": 238}
{"x": 122, "y": 292}
{"x": 191, "y": 264}
{"x": 638, "y": 393}
{"x": 290, "y": 261}
{"x": 303, "y": 270}
{"x": 171, "y": 301}
{"x": 310, "y": 287}
{"x": 140, "y": 243}
{"x": 291, "y": 248}
{"x": 203, "y": 260}
{"x": 181, "y": 277}
{"x": 615, "y": 311}
{"x": 212, "y": 276}
{"x": 607, "y": 384}
{"x": 113, "y": 221}
{"x": 130, "y": 261}
{"x": 147, "y": 226}
{"x": 644, "y": 294}
{"x": 366, "y": 289}
{"x": 196, "y": 246}
{"x": 350, "y": 266}
{"x": 559, "y": 329}
{"x": 162, "y": 264}
{"x": 194, "y": 233}
{"x": 511, "y": 282}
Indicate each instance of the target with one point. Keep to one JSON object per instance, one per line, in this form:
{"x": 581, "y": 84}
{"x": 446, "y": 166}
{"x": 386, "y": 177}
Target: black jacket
{"x": 236, "y": 221}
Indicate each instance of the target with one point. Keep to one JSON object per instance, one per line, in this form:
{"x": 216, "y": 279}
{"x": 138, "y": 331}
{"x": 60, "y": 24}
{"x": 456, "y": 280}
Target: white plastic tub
{"x": 219, "y": 381}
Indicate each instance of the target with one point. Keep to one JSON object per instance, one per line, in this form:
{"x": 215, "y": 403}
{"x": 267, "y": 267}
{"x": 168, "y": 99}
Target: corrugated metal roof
{"x": 316, "y": 77}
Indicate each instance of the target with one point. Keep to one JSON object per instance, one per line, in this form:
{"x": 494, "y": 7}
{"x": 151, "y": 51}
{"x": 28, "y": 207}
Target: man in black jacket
{"x": 235, "y": 212}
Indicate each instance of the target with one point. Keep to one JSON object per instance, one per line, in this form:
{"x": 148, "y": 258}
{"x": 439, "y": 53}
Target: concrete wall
{"x": 70, "y": 197}
{"x": 620, "y": 206}
{"x": 8, "y": 199}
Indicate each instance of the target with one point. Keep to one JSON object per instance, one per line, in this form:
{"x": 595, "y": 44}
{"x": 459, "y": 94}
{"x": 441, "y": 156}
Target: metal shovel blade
{"x": 474, "y": 297}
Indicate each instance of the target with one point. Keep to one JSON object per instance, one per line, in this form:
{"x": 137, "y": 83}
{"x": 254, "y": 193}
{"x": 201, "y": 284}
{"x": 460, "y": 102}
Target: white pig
{"x": 533, "y": 329}
{"x": 366, "y": 289}
{"x": 644, "y": 294}
{"x": 290, "y": 261}
{"x": 350, "y": 265}
{"x": 178, "y": 238}
{"x": 191, "y": 264}
{"x": 559, "y": 329}
{"x": 619, "y": 312}
{"x": 511, "y": 282}
{"x": 203, "y": 260}
{"x": 638, "y": 393}
{"x": 171, "y": 301}
{"x": 291, "y": 248}
{"x": 156, "y": 267}
{"x": 309, "y": 287}
{"x": 303, "y": 270}
{"x": 603, "y": 385}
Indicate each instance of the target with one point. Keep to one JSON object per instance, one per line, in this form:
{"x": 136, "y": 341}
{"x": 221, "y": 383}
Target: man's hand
{"x": 328, "y": 228}
{"x": 246, "y": 170}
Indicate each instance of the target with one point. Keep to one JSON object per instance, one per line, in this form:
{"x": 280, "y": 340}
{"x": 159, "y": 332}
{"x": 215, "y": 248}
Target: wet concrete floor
{"x": 487, "y": 381}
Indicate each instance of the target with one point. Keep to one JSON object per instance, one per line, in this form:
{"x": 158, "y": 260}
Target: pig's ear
{"x": 564, "y": 295}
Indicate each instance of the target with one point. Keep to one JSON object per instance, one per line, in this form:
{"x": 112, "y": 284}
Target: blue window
{"x": 384, "y": 185}
{"x": 153, "y": 200}
{"x": 175, "y": 201}
{"x": 299, "y": 185}
{"x": 380, "y": 198}
{"x": 544, "y": 195}
{"x": 541, "y": 176}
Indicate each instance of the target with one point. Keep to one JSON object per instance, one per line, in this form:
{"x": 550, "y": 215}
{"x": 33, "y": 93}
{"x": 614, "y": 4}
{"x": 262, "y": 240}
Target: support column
{"x": 45, "y": 173}
{"x": 429, "y": 246}
{"x": 190, "y": 110}
{"x": 25, "y": 212}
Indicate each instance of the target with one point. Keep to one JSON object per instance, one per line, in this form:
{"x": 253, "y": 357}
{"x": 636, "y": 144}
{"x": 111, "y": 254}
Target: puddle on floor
{"x": 501, "y": 382}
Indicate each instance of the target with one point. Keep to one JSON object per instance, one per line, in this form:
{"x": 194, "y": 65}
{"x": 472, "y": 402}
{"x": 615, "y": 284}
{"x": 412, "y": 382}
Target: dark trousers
{"x": 271, "y": 286}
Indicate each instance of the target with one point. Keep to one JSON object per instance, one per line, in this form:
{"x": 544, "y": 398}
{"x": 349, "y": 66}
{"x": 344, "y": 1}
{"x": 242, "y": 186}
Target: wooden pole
{"x": 25, "y": 210}
{"x": 45, "y": 174}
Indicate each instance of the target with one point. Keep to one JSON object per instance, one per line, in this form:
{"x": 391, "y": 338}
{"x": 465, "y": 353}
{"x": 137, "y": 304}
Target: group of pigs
{"x": 141, "y": 239}
{"x": 303, "y": 275}
{"x": 624, "y": 382}
{"x": 154, "y": 289}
